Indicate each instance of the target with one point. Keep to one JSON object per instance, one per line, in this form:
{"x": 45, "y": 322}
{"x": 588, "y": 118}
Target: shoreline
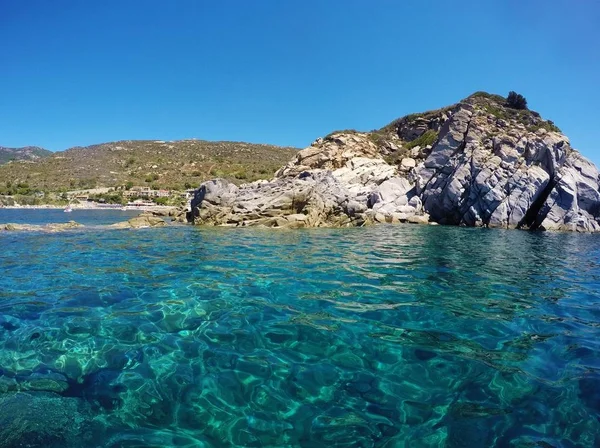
{"x": 88, "y": 206}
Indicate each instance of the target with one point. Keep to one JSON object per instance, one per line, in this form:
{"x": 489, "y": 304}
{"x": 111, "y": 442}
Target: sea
{"x": 385, "y": 336}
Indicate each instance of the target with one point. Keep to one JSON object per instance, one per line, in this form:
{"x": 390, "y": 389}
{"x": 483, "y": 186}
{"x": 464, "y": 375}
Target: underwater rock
{"x": 143, "y": 437}
{"x": 48, "y": 382}
{"x": 424, "y": 355}
{"x": 101, "y": 389}
{"x": 41, "y": 419}
{"x": 590, "y": 393}
{"x": 53, "y": 227}
{"x": 140, "y": 222}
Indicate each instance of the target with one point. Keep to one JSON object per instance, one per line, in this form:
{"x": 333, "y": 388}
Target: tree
{"x": 516, "y": 101}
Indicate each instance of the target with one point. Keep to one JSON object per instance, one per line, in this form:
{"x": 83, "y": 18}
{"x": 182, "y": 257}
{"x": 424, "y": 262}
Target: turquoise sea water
{"x": 388, "y": 336}
{"x": 90, "y": 217}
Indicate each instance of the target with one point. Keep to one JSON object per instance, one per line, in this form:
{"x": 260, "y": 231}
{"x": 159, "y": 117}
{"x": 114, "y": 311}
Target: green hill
{"x": 164, "y": 164}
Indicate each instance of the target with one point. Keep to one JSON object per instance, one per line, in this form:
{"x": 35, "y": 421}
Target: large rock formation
{"x": 477, "y": 163}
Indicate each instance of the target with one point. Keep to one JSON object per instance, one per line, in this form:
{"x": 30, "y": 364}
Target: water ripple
{"x": 382, "y": 337}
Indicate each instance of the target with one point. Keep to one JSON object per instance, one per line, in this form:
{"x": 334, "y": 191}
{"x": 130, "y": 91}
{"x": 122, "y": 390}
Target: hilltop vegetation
{"x": 413, "y": 135}
{"x": 171, "y": 165}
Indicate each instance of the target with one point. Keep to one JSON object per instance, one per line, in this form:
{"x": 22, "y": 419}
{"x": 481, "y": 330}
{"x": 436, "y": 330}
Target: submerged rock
{"x": 477, "y": 163}
{"x": 43, "y": 420}
{"x": 140, "y": 222}
{"x": 55, "y": 227}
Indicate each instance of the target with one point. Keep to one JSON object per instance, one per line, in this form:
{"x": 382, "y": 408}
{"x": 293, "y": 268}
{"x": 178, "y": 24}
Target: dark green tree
{"x": 516, "y": 100}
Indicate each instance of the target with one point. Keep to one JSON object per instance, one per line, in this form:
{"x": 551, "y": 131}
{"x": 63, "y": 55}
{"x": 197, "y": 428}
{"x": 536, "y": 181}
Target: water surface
{"x": 389, "y": 336}
{"x": 87, "y": 217}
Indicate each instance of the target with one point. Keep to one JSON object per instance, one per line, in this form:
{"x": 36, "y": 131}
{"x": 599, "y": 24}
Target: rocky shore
{"x": 145, "y": 220}
{"x": 476, "y": 163}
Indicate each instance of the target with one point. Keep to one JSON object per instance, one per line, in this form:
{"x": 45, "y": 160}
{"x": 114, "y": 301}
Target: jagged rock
{"x": 418, "y": 219}
{"x": 496, "y": 169}
{"x": 408, "y": 162}
{"x": 318, "y": 196}
{"x": 165, "y": 211}
{"x": 331, "y": 153}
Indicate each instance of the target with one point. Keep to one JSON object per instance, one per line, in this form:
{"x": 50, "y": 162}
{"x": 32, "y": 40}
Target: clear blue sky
{"x": 284, "y": 72}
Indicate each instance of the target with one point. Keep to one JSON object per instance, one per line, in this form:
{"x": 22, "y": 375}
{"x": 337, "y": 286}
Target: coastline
{"x": 91, "y": 206}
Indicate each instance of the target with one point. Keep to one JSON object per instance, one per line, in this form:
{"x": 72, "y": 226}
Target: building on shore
{"x": 146, "y": 192}
{"x": 140, "y": 203}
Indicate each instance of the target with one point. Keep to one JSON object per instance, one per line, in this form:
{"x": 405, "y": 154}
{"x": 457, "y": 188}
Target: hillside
{"x": 165, "y": 164}
{"x": 27, "y": 153}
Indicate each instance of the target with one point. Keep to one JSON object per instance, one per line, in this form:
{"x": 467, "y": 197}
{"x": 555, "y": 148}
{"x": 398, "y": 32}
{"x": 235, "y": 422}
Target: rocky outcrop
{"x": 142, "y": 221}
{"x": 477, "y": 163}
{"x": 54, "y": 227}
{"x": 338, "y": 182}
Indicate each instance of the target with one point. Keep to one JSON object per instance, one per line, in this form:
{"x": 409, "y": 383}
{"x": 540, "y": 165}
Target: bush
{"x": 342, "y": 131}
{"x": 489, "y": 96}
{"x": 242, "y": 174}
{"x": 516, "y": 101}
{"x": 426, "y": 138}
{"x": 108, "y": 198}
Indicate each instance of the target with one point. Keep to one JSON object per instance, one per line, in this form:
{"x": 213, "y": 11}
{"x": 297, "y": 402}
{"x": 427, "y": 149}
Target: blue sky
{"x": 284, "y": 72}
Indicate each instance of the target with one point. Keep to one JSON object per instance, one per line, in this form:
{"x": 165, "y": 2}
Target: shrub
{"x": 341, "y": 131}
{"x": 426, "y": 138}
{"x": 489, "y": 96}
{"x": 378, "y": 138}
{"x": 547, "y": 125}
{"x": 516, "y": 101}
{"x": 242, "y": 174}
{"x": 108, "y": 198}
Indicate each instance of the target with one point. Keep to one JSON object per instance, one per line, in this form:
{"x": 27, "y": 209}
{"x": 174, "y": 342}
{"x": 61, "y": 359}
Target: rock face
{"x": 477, "y": 163}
